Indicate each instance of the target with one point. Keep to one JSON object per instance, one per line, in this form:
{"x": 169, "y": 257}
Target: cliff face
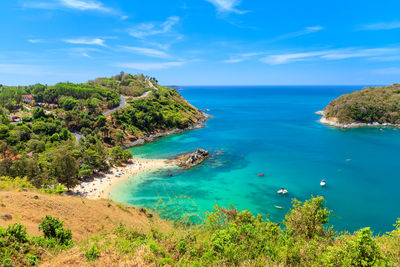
{"x": 374, "y": 105}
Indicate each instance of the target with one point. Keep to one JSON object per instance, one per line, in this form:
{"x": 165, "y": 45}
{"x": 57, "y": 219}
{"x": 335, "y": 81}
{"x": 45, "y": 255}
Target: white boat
{"x": 282, "y": 191}
{"x": 322, "y": 183}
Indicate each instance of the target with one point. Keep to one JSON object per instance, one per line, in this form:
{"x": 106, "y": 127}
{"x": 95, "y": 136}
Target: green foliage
{"x": 228, "y": 237}
{"x": 68, "y": 103}
{"x": 126, "y": 84}
{"x": 375, "y": 104}
{"x": 119, "y": 155}
{"x": 93, "y": 252}
{"x": 17, "y": 248}
{"x": 365, "y": 249}
{"x": 42, "y": 148}
{"x": 38, "y": 113}
{"x": 52, "y": 228}
{"x": 57, "y": 191}
{"x": 14, "y": 183}
{"x": 17, "y": 233}
{"x": 164, "y": 109}
{"x": 308, "y": 219}
{"x": 237, "y": 238}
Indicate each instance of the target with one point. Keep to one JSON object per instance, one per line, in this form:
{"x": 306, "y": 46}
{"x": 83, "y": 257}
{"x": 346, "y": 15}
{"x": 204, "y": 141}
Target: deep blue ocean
{"x": 274, "y": 130}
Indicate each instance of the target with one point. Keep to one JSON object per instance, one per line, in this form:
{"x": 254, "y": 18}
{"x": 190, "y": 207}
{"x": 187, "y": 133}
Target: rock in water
{"x": 192, "y": 159}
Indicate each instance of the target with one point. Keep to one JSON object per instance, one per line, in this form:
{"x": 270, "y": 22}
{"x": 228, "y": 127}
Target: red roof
{"x": 10, "y": 155}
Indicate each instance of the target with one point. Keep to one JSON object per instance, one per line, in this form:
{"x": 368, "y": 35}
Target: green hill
{"x": 40, "y": 124}
{"x": 370, "y": 105}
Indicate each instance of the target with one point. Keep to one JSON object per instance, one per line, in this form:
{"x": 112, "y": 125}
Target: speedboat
{"x": 282, "y": 191}
{"x": 322, "y": 183}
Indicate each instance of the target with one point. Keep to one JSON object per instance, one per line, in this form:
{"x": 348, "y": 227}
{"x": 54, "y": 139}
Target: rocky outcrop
{"x": 189, "y": 160}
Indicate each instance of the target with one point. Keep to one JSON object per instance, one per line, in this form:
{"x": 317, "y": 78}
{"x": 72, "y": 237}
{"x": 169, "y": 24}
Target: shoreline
{"x": 153, "y": 137}
{"x": 336, "y": 124}
{"x": 99, "y": 185}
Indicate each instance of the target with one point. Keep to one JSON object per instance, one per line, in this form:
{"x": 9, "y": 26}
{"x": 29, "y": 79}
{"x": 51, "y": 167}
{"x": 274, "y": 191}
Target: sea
{"x": 274, "y": 131}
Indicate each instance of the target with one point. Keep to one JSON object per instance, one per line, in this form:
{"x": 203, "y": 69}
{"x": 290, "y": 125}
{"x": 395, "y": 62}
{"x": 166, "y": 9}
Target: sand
{"x": 99, "y": 185}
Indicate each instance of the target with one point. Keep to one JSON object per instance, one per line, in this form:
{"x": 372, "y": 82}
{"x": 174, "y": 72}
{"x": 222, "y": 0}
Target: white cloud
{"x": 307, "y": 30}
{"x": 333, "y": 54}
{"x": 146, "y": 51}
{"x": 79, "y": 51}
{"x": 227, "y": 6}
{"x": 148, "y": 29}
{"x": 353, "y": 53}
{"x": 233, "y": 60}
{"x": 388, "y": 71}
{"x": 145, "y": 66}
{"x": 241, "y": 57}
{"x": 22, "y": 69}
{"x": 41, "y": 5}
{"x": 382, "y": 26}
{"x": 82, "y": 5}
{"x": 86, "y": 41}
{"x": 35, "y": 41}
{"x": 286, "y": 58}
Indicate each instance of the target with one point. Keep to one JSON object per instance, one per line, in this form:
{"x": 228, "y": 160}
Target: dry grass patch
{"x": 84, "y": 217}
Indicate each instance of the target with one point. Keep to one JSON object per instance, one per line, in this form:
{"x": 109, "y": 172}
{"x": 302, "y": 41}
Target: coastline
{"x": 153, "y": 137}
{"x": 99, "y": 185}
{"x": 334, "y": 123}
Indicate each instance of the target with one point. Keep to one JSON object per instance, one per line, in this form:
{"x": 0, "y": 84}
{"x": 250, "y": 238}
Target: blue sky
{"x": 201, "y": 42}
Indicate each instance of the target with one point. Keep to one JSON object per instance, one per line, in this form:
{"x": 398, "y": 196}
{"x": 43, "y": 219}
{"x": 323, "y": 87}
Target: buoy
{"x": 261, "y": 175}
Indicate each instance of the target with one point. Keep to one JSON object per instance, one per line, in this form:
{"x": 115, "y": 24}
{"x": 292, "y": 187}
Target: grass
{"x": 105, "y": 233}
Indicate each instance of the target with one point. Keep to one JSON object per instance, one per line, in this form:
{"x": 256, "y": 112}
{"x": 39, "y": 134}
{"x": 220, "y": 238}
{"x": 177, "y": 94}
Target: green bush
{"x": 17, "y": 233}
{"x": 367, "y": 253}
{"x": 52, "y": 228}
{"x": 14, "y": 183}
{"x": 93, "y": 252}
{"x": 308, "y": 218}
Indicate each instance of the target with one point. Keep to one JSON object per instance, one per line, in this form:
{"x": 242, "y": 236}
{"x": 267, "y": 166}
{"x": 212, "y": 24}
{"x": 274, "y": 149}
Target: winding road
{"x": 122, "y": 104}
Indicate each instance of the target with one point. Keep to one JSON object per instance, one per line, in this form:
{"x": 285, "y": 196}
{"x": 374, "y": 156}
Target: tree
{"x": 308, "y": 218}
{"x": 101, "y": 121}
{"x": 38, "y": 113}
{"x": 119, "y": 136}
{"x": 65, "y": 167}
{"x": 68, "y": 103}
{"x": 118, "y": 155}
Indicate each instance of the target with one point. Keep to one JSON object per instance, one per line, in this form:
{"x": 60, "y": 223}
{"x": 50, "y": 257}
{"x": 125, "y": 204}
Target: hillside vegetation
{"x": 163, "y": 110}
{"x": 56, "y": 230}
{"x": 38, "y": 137}
{"x": 370, "y": 105}
{"x": 127, "y": 84}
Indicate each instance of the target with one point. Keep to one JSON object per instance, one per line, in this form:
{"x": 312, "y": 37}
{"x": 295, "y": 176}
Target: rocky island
{"x": 373, "y": 106}
{"x": 190, "y": 160}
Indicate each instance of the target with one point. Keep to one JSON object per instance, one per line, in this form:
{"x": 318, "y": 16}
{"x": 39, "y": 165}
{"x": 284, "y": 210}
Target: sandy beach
{"x": 98, "y": 186}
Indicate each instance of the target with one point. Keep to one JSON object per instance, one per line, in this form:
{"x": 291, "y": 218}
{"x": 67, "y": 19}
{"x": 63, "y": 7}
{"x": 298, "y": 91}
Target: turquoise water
{"x": 274, "y": 131}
